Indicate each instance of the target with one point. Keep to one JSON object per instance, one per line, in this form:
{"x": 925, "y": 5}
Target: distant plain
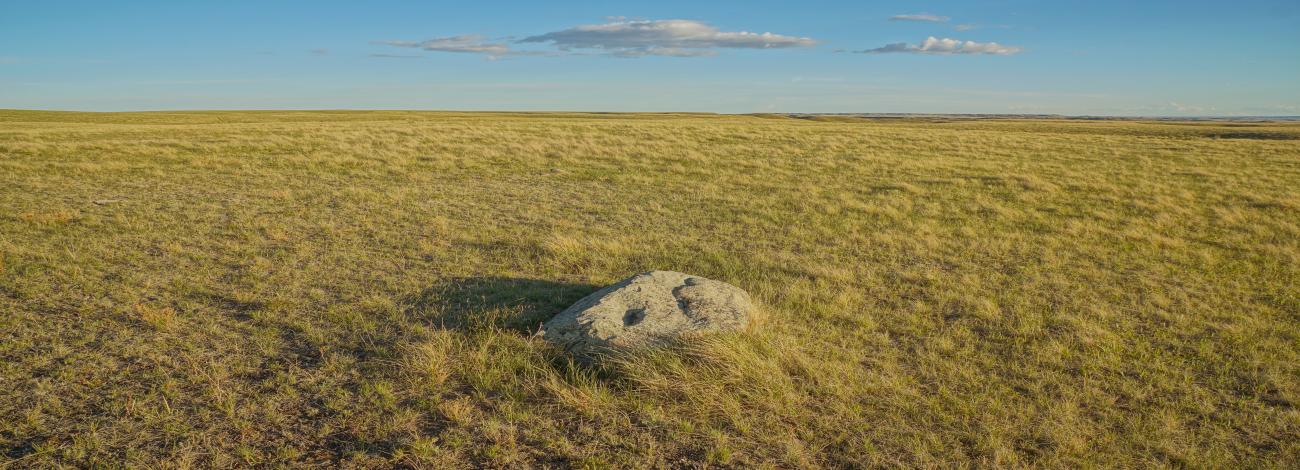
{"x": 357, "y": 289}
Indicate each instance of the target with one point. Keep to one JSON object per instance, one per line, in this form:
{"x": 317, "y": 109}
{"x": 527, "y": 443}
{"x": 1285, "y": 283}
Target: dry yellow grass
{"x": 355, "y": 289}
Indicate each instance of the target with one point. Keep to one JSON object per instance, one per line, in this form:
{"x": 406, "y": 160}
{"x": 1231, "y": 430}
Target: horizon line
{"x": 1280, "y": 117}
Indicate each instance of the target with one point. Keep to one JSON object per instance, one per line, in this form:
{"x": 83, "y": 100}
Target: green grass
{"x": 356, "y": 289}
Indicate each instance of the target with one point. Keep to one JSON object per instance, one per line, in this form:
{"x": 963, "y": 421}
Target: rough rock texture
{"x": 648, "y": 309}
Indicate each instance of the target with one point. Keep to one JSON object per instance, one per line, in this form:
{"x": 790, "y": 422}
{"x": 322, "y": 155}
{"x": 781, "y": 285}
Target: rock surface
{"x": 648, "y": 309}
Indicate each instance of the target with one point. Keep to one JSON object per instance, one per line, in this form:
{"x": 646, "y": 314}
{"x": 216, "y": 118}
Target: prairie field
{"x": 359, "y": 289}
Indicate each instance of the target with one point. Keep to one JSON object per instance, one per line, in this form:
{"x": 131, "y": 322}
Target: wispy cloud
{"x": 676, "y": 38}
{"x": 926, "y": 17}
{"x": 467, "y": 44}
{"x": 618, "y": 37}
{"x": 933, "y": 18}
{"x": 320, "y": 51}
{"x": 945, "y": 46}
{"x": 396, "y": 56}
{"x": 974, "y": 26}
{"x": 1291, "y": 109}
{"x": 204, "y": 82}
{"x": 1186, "y": 108}
{"x": 803, "y": 79}
{"x": 661, "y": 51}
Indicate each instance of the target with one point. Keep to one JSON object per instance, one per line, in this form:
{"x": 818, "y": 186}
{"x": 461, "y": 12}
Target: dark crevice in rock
{"x": 633, "y": 316}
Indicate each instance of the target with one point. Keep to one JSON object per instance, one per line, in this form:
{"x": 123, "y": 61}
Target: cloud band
{"x": 945, "y": 46}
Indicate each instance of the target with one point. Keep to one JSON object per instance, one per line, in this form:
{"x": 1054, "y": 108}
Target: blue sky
{"x": 1097, "y": 57}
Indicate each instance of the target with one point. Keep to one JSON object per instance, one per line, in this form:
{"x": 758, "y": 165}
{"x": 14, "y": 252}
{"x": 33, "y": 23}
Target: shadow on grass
{"x": 475, "y": 303}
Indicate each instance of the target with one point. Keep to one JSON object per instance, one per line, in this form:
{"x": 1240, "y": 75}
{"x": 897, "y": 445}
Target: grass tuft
{"x": 161, "y": 318}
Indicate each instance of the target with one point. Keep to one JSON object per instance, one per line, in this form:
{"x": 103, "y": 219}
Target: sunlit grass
{"x": 358, "y": 288}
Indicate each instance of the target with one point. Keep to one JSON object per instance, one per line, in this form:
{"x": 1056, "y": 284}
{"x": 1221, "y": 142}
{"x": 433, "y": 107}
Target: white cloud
{"x": 945, "y": 46}
{"x": 469, "y": 43}
{"x": 677, "y": 38}
{"x": 932, "y": 18}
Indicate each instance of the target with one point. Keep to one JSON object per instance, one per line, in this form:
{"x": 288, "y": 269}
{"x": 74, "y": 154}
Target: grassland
{"x": 356, "y": 289}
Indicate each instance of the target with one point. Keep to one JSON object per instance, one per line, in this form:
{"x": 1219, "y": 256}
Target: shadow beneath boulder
{"x": 475, "y": 303}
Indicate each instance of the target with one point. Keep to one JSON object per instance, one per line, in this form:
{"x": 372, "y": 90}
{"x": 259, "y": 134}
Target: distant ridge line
{"x": 976, "y": 116}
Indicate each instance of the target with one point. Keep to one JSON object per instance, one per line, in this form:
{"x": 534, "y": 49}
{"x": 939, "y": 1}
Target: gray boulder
{"x": 648, "y": 309}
